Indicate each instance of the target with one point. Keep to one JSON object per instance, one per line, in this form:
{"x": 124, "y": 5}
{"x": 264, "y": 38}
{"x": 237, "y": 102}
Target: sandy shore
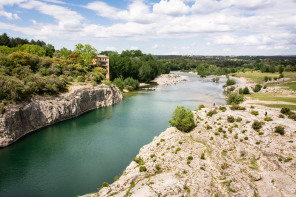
{"x": 169, "y": 79}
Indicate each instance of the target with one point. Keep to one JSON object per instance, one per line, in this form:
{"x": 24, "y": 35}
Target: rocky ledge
{"x": 18, "y": 120}
{"x": 222, "y": 156}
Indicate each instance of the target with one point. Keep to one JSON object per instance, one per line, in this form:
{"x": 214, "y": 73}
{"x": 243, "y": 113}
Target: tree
{"x": 33, "y": 49}
{"x": 64, "y": 53}
{"x": 234, "y": 99}
{"x": 49, "y": 50}
{"x": 87, "y": 53}
{"x": 182, "y": 119}
{"x": 4, "y": 40}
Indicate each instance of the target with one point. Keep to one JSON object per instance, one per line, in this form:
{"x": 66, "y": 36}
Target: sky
{"x": 159, "y": 27}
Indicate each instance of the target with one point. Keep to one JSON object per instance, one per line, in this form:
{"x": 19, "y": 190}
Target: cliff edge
{"x": 222, "y": 156}
{"x": 19, "y": 120}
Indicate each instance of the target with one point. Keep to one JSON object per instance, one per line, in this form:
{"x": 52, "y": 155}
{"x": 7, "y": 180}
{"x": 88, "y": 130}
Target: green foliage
{"x": 285, "y": 110}
{"x": 142, "y": 169}
{"x": 246, "y": 90}
{"x": 212, "y": 112}
{"x": 33, "y": 49}
{"x": 200, "y": 107}
{"x": 86, "y": 53}
{"x": 257, "y": 88}
{"x": 257, "y": 125}
{"x": 234, "y": 99}
{"x": 157, "y": 167}
{"x": 1, "y": 108}
{"x": 119, "y": 83}
{"x": 105, "y": 184}
{"x": 139, "y": 160}
{"x": 182, "y": 119}
{"x": 202, "y": 156}
{"x": 131, "y": 84}
{"x": 222, "y": 108}
{"x": 280, "y": 130}
{"x": 230, "y": 119}
{"x": 190, "y": 158}
{"x": 255, "y": 113}
{"x": 230, "y": 82}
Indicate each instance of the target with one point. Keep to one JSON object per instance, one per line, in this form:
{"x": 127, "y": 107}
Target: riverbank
{"x": 21, "y": 119}
{"x": 218, "y": 157}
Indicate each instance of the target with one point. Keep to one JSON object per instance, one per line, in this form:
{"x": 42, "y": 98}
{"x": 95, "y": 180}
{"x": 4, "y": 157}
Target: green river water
{"x": 76, "y": 156}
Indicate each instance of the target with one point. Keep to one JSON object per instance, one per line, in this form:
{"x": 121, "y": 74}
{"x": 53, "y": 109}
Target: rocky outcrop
{"x": 18, "y": 120}
{"x": 220, "y": 157}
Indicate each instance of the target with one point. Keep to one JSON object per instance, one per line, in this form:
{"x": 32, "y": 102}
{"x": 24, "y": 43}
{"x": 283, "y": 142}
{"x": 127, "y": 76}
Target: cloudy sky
{"x": 185, "y": 27}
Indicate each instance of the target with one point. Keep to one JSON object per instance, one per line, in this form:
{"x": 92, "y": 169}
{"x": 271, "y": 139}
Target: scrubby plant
{"x": 224, "y": 166}
{"x": 202, "y": 156}
{"x": 217, "y": 133}
{"x": 200, "y": 107}
{"x": 190, "y": 158}
{"x": 184, "y": 171}
{"x": 162, "y": 140}
{"x": 230, "y": 119}
{"x": 237, "y": 107}
{"x": 142, "y": 169}
{"x": 105, "y": 184}
{"x": 152, "y": 155}
{"x": 234, "y": 98}
{"x": 209, "y": 127}
{"x": 239, "y": 119}
{"x": 182, "y": 119}
{"x": 288, "y": 159}
{"x": 157, "y": 167}
{"x": 211, "y": 138}
{"x": 212, "y": 112}
{"x": 1, "y": 108}
{"x": 220, "y": 129}
{"x": 257, "y": 88}
{"x": 292, "y": 116}
{"x": 255, "y": 113}
{"x": 139, "y": 160}
{"x": 281, "y": 116}
{"x": 266, "y": 118}
{"x": 230, "y": 82}
{"x": 280, "y": 159}
{"x": 257, "y": 125}
{"x": 257, "y": 143}
{"x": 222, "y": 108}
{"x": 261, "y": 133}
{"x": 240, "y": 91}
{"x": 246, "y": 138}
{"x": 246, "y": 90}
{"x": 285, "y": 110}
{"x": 180, "y": 142}
{"x": 265, "y": 86}
{"x": 280, "y": 130}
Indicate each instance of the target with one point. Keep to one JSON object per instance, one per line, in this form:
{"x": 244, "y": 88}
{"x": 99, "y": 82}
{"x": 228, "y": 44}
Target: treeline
{"x": 9, "y": 45}
{"x": 225, "y": 66}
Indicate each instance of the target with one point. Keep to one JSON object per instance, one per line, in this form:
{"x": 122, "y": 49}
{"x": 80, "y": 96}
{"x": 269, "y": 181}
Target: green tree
{"x": 234, "y": 99}
{"x": 64, "y": 53}
{"x": 87, "y": 53}
{"x": 182, "y": 119}
{"x": 33, "y": 49}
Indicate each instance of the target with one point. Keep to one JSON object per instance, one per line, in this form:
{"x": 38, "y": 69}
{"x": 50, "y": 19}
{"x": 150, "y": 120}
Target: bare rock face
{"x": 218, "y": 158}
{"x": 18, "y": 120}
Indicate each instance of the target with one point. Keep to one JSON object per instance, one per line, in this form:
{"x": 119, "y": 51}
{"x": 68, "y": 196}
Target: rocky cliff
{"x": 222, "y": 156}
{"x": 18, "y": 120}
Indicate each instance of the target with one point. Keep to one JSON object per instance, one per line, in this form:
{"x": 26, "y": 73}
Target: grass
{"x": 292, "y": 107}
{"x": 270, "y": 97}
{"x": 290, "y": 85}
{"x": 258, "y": 77}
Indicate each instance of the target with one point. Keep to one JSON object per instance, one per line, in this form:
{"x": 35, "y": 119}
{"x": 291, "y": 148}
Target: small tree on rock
{"x": 182, "y": 119}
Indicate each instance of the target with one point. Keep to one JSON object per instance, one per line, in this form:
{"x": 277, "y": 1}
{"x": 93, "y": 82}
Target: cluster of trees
{"x": 135, "y": 64}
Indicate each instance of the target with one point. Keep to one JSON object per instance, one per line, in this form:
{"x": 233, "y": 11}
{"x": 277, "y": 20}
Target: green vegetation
{"x": 255, "y": 113}
{"x": 230, "y": 119}
{"x": 230, "y": 82}
{"x": 139, "y": 160}
{"x": 142, "y": 169}
{"x": 237, "y": 107}
{"x": 212, "y": 112}
{"x": 257, "y": 125}
{"x": 182, "y": 119}
{"x": 105, "y": 184}
{"x": 234, "y": 98}
{"x": 271, "y": 97}
{"x": 157, "y": 167}
{"x": 280, "y": 130}
{"x": 202, "y": 156}
{"x": 292, "y": 107}
{"x": 257, "y": 88}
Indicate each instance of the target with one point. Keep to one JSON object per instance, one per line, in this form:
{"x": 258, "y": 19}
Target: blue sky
{"x": 171, "y": 27}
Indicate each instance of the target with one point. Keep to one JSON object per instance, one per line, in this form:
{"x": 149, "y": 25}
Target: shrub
{"x": 209, "y": 127}
{"x": 264, "y": 87}
{"x": 157, "y": 167}
{"x": 237, "y": 107}
{"x": 288, "y": 159}
{"x": 200, "y": 107}
{"x": 212, "y": 112}
{"x": 280, "y": 130}
{"x": 261, "y": 133}
{"x": 131, "y": 84}
{"x": 211, "y": 138}
{"x": 152, "y": 155}
{"x": 230, "y": 119}
{"x": 1, "y": 108}
{"x": 182, "y": 119}
{"x": 255, "y": 112}
{"x": 222, "y": 108}
{"x": 246, "y": 138}
{"x": 142, "y": 169}
{"x": 80, "y": 78}
{"x": 285, "y": 110}
{"x": 257, "y": 88}
{"x": 139, "y": 160}
{"x": 239, "y": 119}
{"x": 119, "y": 83}
{"x": 230, "y": 82}
{"x": 257, "y": 125}
{"x": 292, "y": 116}
{"x": 105, "y": 184}
{"x": 240, "y": 91}
{"x": 202, "y": 156}
{"x": 234, "y": 99}
{"x": 281, "y": 116}
{"x": 266, "y": 118}
{"x": 246, "y": 90}
{"x": 190, "y": 158}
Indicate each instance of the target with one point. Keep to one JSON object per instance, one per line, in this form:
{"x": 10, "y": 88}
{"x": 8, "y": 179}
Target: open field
{"x": 292, "y": 107}
{"x": 290, "y": 85}
{"x": 258, "y": 77}
{"x": 270, "y": 97}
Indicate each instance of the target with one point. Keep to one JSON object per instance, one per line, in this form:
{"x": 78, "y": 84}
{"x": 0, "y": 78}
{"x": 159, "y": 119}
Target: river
{"x": 76, "y": 156}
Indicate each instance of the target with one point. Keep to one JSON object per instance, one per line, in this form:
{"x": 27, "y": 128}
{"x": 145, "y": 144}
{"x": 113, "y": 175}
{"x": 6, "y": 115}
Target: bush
{"x": 257, "y": 125}
{"x": 202, "y": 156}
{"x": 237, "y": 107}
{"x": 255, "y": 113}
{"x": 240, "y": 91}
{"x": 80, "y": 78}
{"x": 157, "y": 167}
{"x": 234, "y": 99}
{"x": 222, "y": 108}
{"x": 105, "y": 184}
{"x": 246, "y": 90}
{"x": 230, "y": 119}
{"x": 230, "y": 82}
{"x": 182, "y": 119}
{"x": 285, "y": 110}
{"x": 139, "y": 160}
{"x": 281, "y": 116}
{"x": 280, "y": 130}
{"x": 200, "y": 107}
{"x": 131, "y": 84}
{"x": 119, "y": 83}
{"x": 266, "y": 118}
{"x": 142, "y": 169}
{"x": 1, "y": 108}
{"x": 189, "y": 158}
{"x": 257, "y": 88}
{"x": 211, "y": 113}
{"x": 292, "y": 116}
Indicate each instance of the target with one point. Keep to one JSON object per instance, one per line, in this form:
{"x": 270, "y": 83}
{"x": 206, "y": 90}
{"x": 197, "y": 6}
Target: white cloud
{"x": 134, "y": 48}
{"x": 155, "y": 46}
{"x": 226, "y": 49}
{"x": 171, "y": 7}
{"x": 34, "y": 22}
{"x": 110, "y": 48}
{"x": 9, "y": 16}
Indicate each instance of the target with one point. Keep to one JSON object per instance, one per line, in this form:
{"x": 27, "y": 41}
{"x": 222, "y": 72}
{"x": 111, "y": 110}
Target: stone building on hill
{"x": 102, "y": 61}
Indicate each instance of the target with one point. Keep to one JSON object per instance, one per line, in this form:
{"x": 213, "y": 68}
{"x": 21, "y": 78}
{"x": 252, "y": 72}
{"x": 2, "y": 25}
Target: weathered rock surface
{"x": 238, "y": 161}
{"x": 18, "y": 120}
